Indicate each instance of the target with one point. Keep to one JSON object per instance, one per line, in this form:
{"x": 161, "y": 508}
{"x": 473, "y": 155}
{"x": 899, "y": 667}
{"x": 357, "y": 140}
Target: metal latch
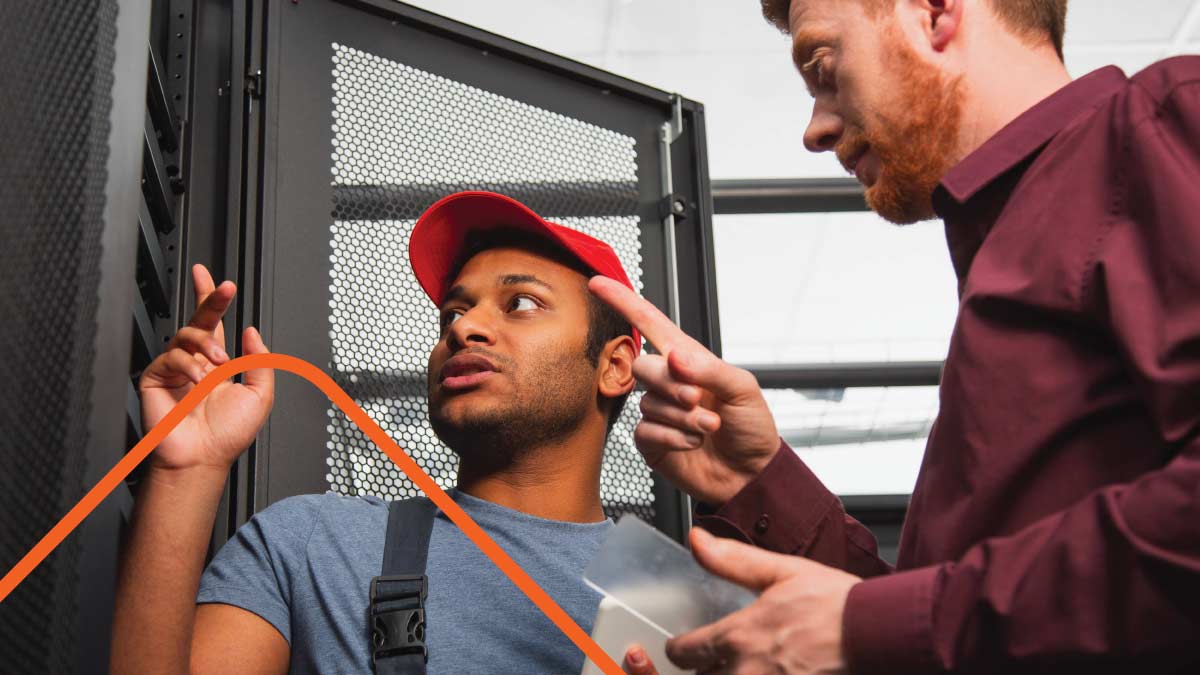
{"x": 255, "y": 84}
{"x": 673, "y": 205}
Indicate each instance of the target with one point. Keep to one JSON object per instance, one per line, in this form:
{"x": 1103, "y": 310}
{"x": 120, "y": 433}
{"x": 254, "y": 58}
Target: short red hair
{"x": 1031, "y": 19}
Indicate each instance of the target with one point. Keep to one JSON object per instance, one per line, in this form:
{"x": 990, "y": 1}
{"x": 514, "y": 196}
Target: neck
{"x": 1005, "y": 79}
{"x": 557, "y": 481}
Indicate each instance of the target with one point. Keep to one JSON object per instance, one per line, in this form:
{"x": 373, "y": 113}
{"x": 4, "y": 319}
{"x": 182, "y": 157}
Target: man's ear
{"x": 941, "y": 20}
{"x": 616, "y": 367}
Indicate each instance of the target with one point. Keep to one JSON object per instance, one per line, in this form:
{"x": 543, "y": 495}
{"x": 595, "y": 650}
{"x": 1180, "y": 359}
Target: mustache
{"x": 851, "y": 146}
{"x": 498, "y": 359}
{"x": 503, "y": 362}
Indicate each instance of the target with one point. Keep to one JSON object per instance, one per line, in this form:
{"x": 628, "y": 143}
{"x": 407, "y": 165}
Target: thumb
{"x": 637, "y": 663}
{"x": 696, "y": 365}
{"x": 260, "y": 380}
{"x": 740, "y": 563}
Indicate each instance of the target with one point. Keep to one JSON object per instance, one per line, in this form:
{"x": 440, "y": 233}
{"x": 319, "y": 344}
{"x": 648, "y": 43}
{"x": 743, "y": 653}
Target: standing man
{"x": 1055, "y": 524}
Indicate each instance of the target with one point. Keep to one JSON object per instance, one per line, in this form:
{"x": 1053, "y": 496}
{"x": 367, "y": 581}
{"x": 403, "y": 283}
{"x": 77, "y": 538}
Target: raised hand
{"x": 226, "y": 421}
{"x": 705, "y": 424}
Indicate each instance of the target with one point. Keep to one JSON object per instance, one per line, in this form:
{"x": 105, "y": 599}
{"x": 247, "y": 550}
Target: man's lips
{"x": 465, "y": 371}
{"x": 853, "y": 163}
{"x": 864, "y": 166}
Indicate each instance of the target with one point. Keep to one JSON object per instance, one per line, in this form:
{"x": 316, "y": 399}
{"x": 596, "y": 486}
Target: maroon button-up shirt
{"x": 1055, "y": 524}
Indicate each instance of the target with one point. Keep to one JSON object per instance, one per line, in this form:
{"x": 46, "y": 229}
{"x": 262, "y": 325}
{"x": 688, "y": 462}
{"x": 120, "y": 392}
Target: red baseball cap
{"x": 441, "y": 233}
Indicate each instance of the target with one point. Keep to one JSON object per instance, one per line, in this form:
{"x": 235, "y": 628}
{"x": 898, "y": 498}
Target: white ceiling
{"x": 723, "y": 54}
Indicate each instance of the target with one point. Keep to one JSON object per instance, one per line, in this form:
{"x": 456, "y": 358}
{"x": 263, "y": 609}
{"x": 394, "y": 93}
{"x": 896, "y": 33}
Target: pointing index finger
{"x": 203, "y": 282}
{"x": 644, "y": 316}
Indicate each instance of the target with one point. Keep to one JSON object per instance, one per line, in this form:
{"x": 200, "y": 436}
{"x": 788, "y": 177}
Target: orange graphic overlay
{"x": 326, "y": 384}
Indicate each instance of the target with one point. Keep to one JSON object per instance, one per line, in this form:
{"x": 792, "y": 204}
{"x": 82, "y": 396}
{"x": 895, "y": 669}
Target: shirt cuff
{"x": 778, "y": 511}
{"x": 888, "y": 624}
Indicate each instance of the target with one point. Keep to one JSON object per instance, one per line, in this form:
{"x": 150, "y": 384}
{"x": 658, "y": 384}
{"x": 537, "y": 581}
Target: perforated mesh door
{"x": 56, "y": 60}
{"x": 402, "y": 138}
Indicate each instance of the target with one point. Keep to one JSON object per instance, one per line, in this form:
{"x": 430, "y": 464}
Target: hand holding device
{"x": 653, "y": 590}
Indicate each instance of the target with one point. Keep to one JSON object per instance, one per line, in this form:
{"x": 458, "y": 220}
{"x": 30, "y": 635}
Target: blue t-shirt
{"x": 305, "y": 565}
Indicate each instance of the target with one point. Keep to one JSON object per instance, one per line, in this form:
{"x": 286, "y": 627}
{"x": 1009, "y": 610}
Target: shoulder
{"x": 1158, "y": 83}
{"x": 310, "y": 505}
{"x": 302, "y": 514}
{"x": 1162, "y": 152}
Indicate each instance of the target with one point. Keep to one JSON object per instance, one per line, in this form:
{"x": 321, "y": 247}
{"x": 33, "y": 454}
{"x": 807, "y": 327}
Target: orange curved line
{"x": 340, "y": 398}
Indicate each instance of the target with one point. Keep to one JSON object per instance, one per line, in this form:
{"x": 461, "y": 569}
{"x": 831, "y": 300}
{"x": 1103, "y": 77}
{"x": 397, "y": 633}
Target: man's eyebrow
{"x": 457, "y": 293}
{"x": 805, "y": 42}
{"x": 515, "y": 279}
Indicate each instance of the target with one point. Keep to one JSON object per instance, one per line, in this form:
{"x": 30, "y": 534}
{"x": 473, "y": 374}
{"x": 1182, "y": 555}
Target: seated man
{"x": 524, "y": 384}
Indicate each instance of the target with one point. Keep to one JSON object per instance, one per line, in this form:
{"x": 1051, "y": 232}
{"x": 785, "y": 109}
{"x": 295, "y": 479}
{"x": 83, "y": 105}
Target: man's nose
{"x": 824, "y": 128}
{"x": 475, "y": 327}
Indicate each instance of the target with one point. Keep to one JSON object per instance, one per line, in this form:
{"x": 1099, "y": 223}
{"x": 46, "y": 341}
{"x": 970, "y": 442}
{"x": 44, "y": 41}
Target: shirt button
{"x": 761, "y": 525}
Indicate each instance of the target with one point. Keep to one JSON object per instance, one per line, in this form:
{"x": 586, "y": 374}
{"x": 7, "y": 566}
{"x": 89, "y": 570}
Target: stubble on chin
{"x": 497, "y": 436}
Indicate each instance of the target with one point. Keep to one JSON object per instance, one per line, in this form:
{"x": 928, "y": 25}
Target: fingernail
{"x": 694, "y": 440}
{"x": 222, "y": 355}
{"x": 710, "y": 422}
{"x": 637, "y": 657}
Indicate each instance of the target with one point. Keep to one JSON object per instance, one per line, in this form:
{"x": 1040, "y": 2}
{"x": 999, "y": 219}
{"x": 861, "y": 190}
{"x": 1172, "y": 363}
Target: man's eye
{"x": 522, "y": 303}
{"x": 824, "y": 72}
{"x": 450, "y": 317}
{"x": 820, "y": 66}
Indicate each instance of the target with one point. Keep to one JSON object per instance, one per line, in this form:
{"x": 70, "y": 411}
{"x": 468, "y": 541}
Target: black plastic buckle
{"x": 398, "y": 616}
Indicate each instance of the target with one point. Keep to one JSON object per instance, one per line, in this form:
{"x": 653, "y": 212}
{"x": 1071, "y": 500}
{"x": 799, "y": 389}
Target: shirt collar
{"x": 1028, "y": 133}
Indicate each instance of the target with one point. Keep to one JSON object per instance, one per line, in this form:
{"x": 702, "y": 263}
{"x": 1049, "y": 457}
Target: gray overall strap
{"x": 397, "y": 610}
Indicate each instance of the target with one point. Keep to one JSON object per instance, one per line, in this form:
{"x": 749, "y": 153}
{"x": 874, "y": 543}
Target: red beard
{"x": 914, "y": 136}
